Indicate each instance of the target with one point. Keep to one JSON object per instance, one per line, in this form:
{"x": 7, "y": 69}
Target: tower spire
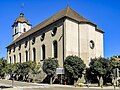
{"x": 21, "y": 24}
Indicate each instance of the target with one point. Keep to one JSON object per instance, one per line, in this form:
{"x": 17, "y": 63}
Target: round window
{"x": 54, "y": 31}
{"x": 92, "y": 44}
{"x": 42, "y": 37}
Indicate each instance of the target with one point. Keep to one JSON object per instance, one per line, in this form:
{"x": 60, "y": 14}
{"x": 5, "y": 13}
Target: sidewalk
{"x": 20, "y": 85}
{"x": 91, "y": 87}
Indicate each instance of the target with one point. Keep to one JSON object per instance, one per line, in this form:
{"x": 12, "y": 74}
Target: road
{"x": 17, "y": 85}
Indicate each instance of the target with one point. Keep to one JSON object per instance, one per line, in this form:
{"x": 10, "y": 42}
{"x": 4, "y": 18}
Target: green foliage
{"x": 35, "y": 69}
{"x": 49, "y": 66}
{"x": 114, "y": 63}
{"x": 10, "y": 68}
{"x": 18, "y": 69}
{"x": 74, "y": 66}
{"x": 101, "y": 67}
{"x": 3, "y": 64}
{"x": 23, "y": 69}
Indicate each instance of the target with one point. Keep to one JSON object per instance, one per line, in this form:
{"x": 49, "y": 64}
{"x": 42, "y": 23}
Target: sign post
{"x": 60, "y": 71}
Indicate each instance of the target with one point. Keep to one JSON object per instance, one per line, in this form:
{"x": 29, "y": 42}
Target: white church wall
{"x": 99, "y": 44}
{"x": 71, "y": 38}
{"x": 88, "y": 33}
{"x": 92, "y": 36}
{"x": 84, "y": 42}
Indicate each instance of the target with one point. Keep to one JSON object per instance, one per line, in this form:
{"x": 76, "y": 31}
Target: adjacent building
{"x": 63, "y": 34}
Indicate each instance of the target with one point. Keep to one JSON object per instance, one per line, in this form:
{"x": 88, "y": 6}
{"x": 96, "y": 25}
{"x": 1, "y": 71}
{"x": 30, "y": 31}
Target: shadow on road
{"x": 5, "y": 87}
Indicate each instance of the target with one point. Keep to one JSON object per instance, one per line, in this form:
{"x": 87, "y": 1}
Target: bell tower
{"x": 20, "y": 26}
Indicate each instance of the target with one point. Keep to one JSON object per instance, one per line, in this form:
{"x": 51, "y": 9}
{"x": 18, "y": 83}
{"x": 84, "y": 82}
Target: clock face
{"x": 92, "y": 44}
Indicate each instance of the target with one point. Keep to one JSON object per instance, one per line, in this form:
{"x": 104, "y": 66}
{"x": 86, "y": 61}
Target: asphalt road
{"x": 34, "y": 86}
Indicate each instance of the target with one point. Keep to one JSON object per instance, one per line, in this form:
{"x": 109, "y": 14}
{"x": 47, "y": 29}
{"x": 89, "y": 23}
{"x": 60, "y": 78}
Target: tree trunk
{"x": 17, "y": 77}
{"x": 33, "y": 78}
{"x": 54, "y": 78}
{"x": 75, "y": 83}
{"x": 23, "y": 78}
{"x": 50, "y": 80}
{"x": 98, "y": 80}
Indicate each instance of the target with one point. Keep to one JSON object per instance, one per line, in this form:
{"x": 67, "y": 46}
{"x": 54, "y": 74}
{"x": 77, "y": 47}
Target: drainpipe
{"x": 78, "y": 41}
{"x": 63, "y": 41}
{"x": 29, "y": 47}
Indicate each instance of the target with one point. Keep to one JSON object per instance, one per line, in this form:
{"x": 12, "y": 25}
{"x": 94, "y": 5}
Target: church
{"x": 63, "y": 34}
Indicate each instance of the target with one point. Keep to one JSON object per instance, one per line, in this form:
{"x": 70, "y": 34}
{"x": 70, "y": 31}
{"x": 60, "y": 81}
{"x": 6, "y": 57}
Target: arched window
{"x": 43, "y": 52}
{"x": 20, "y": 57}
{"x": 10, "y": 59}
{"x": 15, "y": 30}
{"x": 26, "y": 55}
{"x": 55, "y": 49}
{"x": 34, "y": 54}
{"x": 14, "y": 59}
{"x": 24, "y": 29}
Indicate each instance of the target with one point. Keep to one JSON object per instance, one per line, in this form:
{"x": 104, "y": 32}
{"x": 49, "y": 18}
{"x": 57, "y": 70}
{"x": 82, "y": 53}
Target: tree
{"x": 21, "y": 71}
{"x": 34, "y": 70}
{"x": 10, "y": 69}
{"x": 74, "y": 67}
{"x": 3, "y": 64}
{"x": 100, "y": 67}
{"x": 49, "y": 67}
{"x": 114, "y": 63}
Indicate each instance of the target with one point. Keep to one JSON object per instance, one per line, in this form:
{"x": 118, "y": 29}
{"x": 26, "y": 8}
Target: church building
{"x": 63, "y": 34}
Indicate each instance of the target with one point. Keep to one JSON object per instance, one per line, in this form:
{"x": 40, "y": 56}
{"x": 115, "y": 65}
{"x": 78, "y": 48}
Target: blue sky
{"x": 104, "y": 13}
